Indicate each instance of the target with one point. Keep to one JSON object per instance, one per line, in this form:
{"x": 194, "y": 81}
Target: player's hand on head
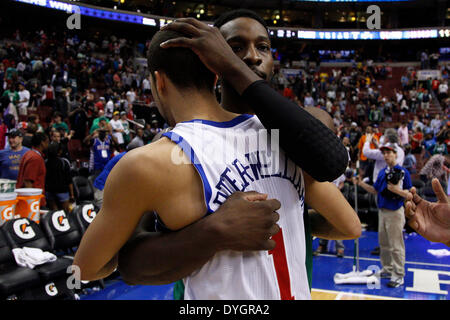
{"x": 206, "y": 41}
{"x": 247, "y": 221}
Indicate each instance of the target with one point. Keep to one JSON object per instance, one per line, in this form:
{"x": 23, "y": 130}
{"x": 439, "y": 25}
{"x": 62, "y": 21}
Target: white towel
{"x": 439, "y": 253}
{"x": 31, "y": 257}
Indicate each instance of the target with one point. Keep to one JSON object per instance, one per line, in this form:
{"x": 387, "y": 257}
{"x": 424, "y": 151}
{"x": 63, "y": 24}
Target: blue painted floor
{"x": 427, "y": 275}
{"x": 421, "y": 266}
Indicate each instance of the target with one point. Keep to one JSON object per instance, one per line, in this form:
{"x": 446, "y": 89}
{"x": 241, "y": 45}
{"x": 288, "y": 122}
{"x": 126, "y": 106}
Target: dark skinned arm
{"x": 244, "y": 222}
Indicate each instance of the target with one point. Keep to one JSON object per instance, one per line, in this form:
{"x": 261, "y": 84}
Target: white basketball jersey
{"x": 238, "y": 155}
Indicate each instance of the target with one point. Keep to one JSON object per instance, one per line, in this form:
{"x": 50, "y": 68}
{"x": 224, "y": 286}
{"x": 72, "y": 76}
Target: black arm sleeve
{"x": 305, "y": 139}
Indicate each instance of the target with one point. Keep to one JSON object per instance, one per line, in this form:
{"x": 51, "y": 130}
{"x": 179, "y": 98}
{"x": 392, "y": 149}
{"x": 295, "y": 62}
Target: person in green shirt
{"x": 101, "y": 116}
{"x": 126, "y": 127}
{"x": 12, "y": 94}
{"x": 58, "y": 123}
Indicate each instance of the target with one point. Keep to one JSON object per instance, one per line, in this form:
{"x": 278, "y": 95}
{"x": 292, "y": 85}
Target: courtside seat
{"x": 13, "y": 278}
{"x": 83, "y": 189}
{"x": 84, "y": 214}
{"x": 61, "y": 229}
{"x": 24, "y": 232}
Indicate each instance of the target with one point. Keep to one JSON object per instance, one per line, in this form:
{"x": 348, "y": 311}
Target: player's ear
{"x": 160, "y": 82}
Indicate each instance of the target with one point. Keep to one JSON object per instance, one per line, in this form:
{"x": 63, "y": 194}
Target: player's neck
{"x": 198, "y": 105}
{"x": 233, "y": 102}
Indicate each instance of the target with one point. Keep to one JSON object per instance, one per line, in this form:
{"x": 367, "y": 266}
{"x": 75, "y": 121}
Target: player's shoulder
{"x": 152, "y": 160}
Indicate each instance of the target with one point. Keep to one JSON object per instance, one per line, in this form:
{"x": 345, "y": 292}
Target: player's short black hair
{"x": 239, "y": 13}
{"x": 181, "y": 65}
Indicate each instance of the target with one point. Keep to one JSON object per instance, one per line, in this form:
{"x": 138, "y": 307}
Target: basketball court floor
{"x": 427, "y": 275}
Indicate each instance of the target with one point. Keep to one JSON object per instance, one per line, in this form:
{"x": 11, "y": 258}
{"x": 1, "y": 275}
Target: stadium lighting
{"x": 275, "y": 31}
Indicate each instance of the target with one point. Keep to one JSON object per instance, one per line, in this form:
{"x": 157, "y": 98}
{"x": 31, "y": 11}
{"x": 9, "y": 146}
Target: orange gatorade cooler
{"x": 8, "y": 203}
{"x": 29, "y": 203}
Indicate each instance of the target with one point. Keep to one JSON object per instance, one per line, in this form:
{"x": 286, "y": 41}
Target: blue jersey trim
{"x": 225, "y": 124}
{"x": 185, "y": 146}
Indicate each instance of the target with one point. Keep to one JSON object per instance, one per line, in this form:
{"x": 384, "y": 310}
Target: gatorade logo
{"x": 60, "y": 221}
{"x": 89, "y": 213}
{"x": 7, "y": 213}
{"x": 35, "y": 210}
{"x": 51, "y": 289}
{"x": 23, "y": 229}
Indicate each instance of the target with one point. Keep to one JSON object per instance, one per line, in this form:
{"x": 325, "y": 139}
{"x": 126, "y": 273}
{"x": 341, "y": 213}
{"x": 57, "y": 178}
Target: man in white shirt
{"x": 390, "y": 136}
{"x": 131, "y": 96}
{"x": 309, "y": 101}
{"x": 145, "y": 85}
{"x": 403, "y": 134}
{"x": 24, "y": 99}
{"x": 109, "y": 108}
{"x": 436, "y": 124}
{"x": 443, "y": 90}
{"x": 117, "y": 128}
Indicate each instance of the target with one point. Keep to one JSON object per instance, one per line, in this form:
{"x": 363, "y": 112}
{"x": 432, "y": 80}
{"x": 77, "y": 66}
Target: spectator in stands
{"x": 416, "y": 123}
{"x": 109, "y": 108}
{"x": 100, "y": 142}
{"x": 416, "y": 140}
{"x": 410, "y": 162}
{"x": 374, "y": 115}
{"x": 10, "y": 158}
{"x": 95, "y": 124}
{"x": 435, "y": 86}
{"x": 118, "y": 130}
{"x": 11, "y": 102}
{"x": 35, "y": 95}
{"x": 126, "y": 127}
{"x": 424, "y": 60}
{"x": 24, "y": 100}
{"x": 138, "y": 140}
{"x": 363, "y": 161}
{"x": 155, "y": 127}
{"x": 435, "y": 167}
{"x": 436, "y": 124}
{"x": 428, "y": 144}
{"x": 308, "y": 101}
{"x": 440, "y": 147}
{"x": 48, "y": 94}
{"x": 58, "y": 180}
{"x": 32, "y": 169}
{"x": 57, "y": 122}
{"x": 29, "y": 133}
{"x": 443, "y": 91}
{"x": 403, "y": 134}
{"x": 426, "y": 98}
{"x": 33, "y": 118}
{"x": 62, "y": 138}
{"x": 361, "y": 112}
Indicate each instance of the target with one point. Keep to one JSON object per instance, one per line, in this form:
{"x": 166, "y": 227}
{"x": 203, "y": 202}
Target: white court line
{"x": 340, "y": 294}
{"x": 374, "y": 259}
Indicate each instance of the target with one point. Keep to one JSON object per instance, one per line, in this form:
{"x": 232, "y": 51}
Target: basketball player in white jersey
{"x": 145, "y": 259}
{"x": 148, "y": 179}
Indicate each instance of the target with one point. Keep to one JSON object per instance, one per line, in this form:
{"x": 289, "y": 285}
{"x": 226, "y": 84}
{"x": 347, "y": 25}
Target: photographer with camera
{"x": 391, "y": 188}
